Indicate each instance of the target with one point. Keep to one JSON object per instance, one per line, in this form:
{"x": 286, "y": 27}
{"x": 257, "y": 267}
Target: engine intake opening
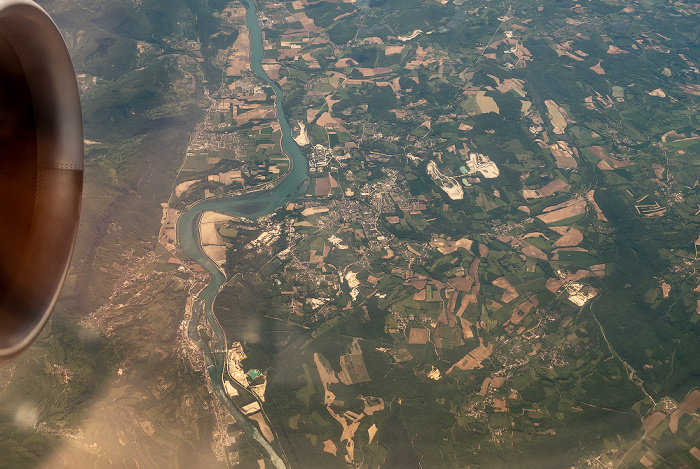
{"x": 41, "y": 170}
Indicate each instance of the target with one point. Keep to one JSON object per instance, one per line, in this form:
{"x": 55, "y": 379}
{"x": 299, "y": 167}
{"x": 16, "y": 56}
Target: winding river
{"x": 251, "y": 205}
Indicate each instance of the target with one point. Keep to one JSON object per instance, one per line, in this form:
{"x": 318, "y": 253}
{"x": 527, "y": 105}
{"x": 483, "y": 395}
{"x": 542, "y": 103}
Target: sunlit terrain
{"x": 375, "y": 233}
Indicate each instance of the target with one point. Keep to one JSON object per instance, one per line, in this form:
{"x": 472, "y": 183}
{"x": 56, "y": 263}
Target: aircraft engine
{"x": 41, "y": 170}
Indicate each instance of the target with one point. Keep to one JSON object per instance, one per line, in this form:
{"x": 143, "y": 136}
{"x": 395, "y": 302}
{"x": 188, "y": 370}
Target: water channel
{"x": 250, "y": 205}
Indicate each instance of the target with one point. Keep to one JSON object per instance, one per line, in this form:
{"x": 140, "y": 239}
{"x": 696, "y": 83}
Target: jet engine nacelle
{"x": 41, "y": 170}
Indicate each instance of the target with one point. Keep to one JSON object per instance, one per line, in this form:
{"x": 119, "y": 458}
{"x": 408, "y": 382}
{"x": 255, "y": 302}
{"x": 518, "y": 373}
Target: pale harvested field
{"x": 673, "y": 422}
{"x": 308, "y": 23}
{"x": 571, "y": 249}
{"x": 466, "y": 329}
{"x": 465, "y": 302}
{"x": 461, "y": 283}
{"x": 501, "y": 282}
{"x": 563, "y": 51}
{"x": 691, "y": 403}
{"x": 393, "y": 50}
{"x": 555, "y": 117}
{"x": 553, "y": 187}
{"x": 695, "y": 452}
{"x": 653, "y": 421}
{"x": 333, "y": 182}
{"x": 348, "y": 430}
{"x": 534, "y": 234}
{"x": 327, "y": 376}
{"x": 370, "y": 72}
{"x": 273, "y": 70}
{"x": 264, "y": 429}
{"x": 216, "y": 217}
{"x": 346, "y": 62}
{"x": 474, "y": 358}
{"x": 216, "y": 254}
{"x": 599, "y": 152}
{"x": 532, "y": 251}
{"x": 323, "y": 187}
{"x": 168, "y": 223}
{"x": 665, "y": 289}
{"x": 329, "y": 447}
{"x": 311, "y": 115}
{"x": 483, "y": 250}
{"x": 510, "y": 294}
{"x": 512, "y": 84}
{"x": 578, "y": 275}
{"x": 525, "y": 106}
{"x": 372, "y": 431}
{"x": 563, "y": 157}
{"x": 598, "y": 69}
{"x": 599, "y": 213}
{"x": 418, "y": 336}
{"x": 369, "y": 39}
{"x": 486, "y": 103}
{"x": 353, "y": 369}
{"x": 616, "y": 50}
{"x": 484, "y": 387}
{"x": 418, "y": 284}
{"x": 553, "y": 284}
{"x": 263, "y": 112}
{"x": 209, "y": 235}
{"x": 604, "y": 166}
{"x": 183, "y": 186}
{"x": 326, "y": 119}
{"x": 563, "y": 211}
{"x": 558, "y": 185}
{"x": 521, "y": 311}
{"x": 314, "y": 258}
{"x": 330, "y": 102}
{"x": 570, "y": 236}
{"x": 448, "y": 247}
